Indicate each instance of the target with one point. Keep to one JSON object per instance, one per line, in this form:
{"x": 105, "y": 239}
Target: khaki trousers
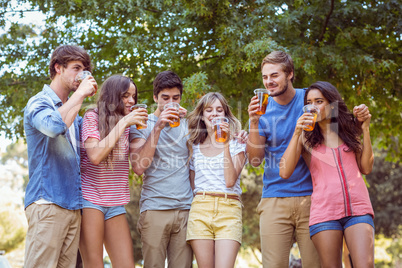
{"x": 52, "y": 237}
{"x": 281, "y": 221}
{"x": 163, "y": 234}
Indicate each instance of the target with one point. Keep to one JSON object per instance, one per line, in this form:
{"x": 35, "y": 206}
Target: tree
{"x": 353, "y": 44}
{"x": 385, "y": 191}
{"x": 12, "y": 232}
{"x": 216, "y": 46}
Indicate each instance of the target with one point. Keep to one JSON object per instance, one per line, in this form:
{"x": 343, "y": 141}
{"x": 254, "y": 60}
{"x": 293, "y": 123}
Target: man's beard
{"x": 280, "y": 92}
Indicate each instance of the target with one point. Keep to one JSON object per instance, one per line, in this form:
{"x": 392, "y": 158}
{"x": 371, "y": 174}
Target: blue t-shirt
{"x": 277, "y": 125}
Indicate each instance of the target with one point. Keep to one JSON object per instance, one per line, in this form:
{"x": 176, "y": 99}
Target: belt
{"x": 230, "y": 196}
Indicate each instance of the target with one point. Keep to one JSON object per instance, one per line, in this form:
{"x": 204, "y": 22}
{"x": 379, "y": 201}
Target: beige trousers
{"x": 163, "y": 235}
{"x": 281, "y": 221}
{"x": 52, "y": 237}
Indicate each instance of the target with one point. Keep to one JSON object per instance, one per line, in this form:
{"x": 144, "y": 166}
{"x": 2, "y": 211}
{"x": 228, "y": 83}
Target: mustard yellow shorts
{"x": 215, "y": 218}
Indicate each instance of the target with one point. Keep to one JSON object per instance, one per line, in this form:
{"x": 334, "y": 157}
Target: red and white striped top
{"x": 107, "y": 183}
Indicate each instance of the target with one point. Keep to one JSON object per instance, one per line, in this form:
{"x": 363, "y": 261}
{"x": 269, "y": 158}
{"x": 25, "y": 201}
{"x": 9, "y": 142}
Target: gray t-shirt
{"x": 166, "y": 183}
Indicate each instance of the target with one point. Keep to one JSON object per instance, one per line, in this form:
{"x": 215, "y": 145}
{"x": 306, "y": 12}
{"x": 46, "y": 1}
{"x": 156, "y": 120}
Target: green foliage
{"x": 385, "y": 193}
{"x": 388, "y": 251}
{"x": 133, "y": 214}
{"x": 218, "y": 45}
{"x": 11, "y": 234}
{"x": 251, "y": 196}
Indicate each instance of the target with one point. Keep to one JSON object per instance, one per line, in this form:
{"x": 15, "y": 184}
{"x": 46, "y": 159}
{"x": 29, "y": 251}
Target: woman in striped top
{"x": 214, "y": 227}
{"x": 340, "y": 204}
{"x": 104, "y": 173}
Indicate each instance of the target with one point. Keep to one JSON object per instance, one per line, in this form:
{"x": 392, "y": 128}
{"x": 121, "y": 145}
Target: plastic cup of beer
{"x": 176, "y": 122}
{"x": 220, "y": 135}
{"x": 81, "y": 76}
{"x": 310, "y": 108}
{"x": 262, "y": 95}
{"x": 138, "y": 106}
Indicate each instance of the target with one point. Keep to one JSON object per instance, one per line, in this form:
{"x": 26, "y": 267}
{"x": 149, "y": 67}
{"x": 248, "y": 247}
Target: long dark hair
{"x": 110, "y": 106}
{"x": 342, "y": 120}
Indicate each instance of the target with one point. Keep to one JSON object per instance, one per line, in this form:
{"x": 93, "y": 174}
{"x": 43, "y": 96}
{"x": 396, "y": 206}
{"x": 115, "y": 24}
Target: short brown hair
{"x": 282, "y": 58}
{"x": 167, "y": 79}
{"x": 62, "y": 55}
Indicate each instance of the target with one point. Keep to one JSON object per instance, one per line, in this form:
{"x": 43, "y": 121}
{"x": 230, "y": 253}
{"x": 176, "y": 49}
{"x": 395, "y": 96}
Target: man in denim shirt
{"x": 53, "y": 196}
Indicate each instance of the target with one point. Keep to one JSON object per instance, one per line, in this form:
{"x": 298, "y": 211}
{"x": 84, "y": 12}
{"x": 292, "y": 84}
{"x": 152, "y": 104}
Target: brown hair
{"x": 197, "y": 129}
{"x": 282, "y": 58}
{"x": 342, "y": 120}
{"x": 110, "y": 107}
{"x": 167, "y": 79}
{"x": 62, "y": 55}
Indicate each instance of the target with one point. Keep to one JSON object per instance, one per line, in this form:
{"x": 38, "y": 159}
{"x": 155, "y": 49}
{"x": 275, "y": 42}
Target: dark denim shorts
{"x": 109, "y": 212}
{"x": 341, "y": 224}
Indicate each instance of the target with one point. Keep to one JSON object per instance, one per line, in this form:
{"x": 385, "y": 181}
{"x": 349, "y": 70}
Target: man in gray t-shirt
{"x": 160, "y": 153}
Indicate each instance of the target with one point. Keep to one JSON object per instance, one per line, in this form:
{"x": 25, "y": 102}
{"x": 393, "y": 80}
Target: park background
{"x": 214, "y": 46}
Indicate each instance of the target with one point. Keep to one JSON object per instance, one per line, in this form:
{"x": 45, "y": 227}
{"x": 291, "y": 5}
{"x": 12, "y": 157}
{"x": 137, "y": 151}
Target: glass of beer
{"x": 310, "y": 108}
{"x": 220, "y": 135}
{"x": 176, "y": 122}
{"x": 138, "y": 106}
{"x": 262, "y": 95}
{"x": 81, "y": 76}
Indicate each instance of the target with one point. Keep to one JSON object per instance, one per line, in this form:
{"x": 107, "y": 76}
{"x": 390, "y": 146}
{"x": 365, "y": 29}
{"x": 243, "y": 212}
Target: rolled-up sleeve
{"x": 43, "y": 116}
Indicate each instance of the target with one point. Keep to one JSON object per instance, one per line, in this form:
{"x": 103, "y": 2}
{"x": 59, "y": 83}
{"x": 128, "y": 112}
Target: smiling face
{"x": 275, "y": 79}
{"x": 214, "y": 110}
{"x": 316, "y": 98}
{"x": 129, "y": 98}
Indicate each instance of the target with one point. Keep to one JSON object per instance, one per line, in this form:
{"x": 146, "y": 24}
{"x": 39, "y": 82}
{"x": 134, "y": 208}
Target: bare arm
{"x": 255, "y": 148}
{"x": 142, "y": 151}
{"x": 192, "y": 176}
{"x": 292, "y": 154}
{"x": 70, "y": 109}
{"x": 232, "y": 166}
{"x": 365, "y": 159}
{"x": 99, "y": 150}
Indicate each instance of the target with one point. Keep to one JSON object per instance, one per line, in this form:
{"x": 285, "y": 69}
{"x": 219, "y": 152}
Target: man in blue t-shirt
{"x": 285, "y": 204}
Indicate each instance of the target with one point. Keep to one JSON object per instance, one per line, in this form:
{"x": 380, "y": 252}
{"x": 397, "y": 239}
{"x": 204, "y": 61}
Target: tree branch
{"x": 325, "y": 24}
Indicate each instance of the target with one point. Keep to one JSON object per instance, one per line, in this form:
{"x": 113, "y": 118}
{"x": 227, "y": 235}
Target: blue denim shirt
{"x": 54, "y": 165}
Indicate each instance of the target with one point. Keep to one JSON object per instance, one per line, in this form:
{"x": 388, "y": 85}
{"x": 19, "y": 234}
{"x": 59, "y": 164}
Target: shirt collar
{"x": 48, "y": 91}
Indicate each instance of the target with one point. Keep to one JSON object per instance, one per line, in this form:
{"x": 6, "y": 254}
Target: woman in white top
{"x": 214, "y": 228}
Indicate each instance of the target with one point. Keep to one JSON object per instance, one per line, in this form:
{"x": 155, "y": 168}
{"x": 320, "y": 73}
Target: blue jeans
{"x": 340, "y": 224}
{"x": 109, "y": 212}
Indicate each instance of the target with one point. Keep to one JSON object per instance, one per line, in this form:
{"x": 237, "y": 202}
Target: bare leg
{"x": 91, "y": 239}
{"x": 118, "y": 242}
{"x": 204, "y": 252}
{"x": 360, "y": 241}
{"x": 226, "y": 253}
{"x": 329, "y": 247}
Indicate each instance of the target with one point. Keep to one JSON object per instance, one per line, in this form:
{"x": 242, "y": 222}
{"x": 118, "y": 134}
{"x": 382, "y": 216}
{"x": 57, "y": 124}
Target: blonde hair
{"x": 282, "y": 58}
{"x": 197, "y": 130}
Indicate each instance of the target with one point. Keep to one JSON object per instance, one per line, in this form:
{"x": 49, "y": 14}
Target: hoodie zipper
{"x": 343, "y": 181}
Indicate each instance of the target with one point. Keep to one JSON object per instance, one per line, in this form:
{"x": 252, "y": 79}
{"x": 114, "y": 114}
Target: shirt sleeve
{"x": 236, "y": 147}
{"x": 44, "y": 116}
{"x": 90, "y": 128}
{"x": 135, "y": 133}
{"x": 261, "y": 126}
